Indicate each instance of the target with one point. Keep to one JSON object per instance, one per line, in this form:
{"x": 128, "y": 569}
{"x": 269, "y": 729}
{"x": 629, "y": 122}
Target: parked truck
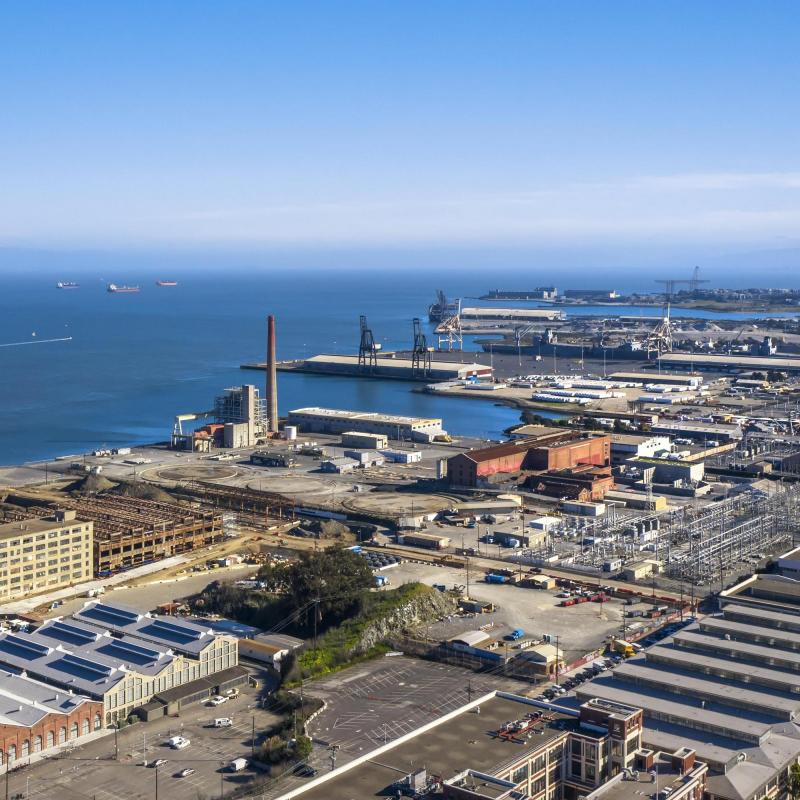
{"x": 623, "y": 647}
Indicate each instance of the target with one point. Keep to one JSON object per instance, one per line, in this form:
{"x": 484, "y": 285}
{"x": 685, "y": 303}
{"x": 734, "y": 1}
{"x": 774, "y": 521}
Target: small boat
{"x": 166, "y": 283}
{"x": 67, "y": 285}
{"x": 114, "y": 289}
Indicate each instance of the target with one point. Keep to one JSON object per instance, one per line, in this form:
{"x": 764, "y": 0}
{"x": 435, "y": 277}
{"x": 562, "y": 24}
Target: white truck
{"x": 237, "y": 765}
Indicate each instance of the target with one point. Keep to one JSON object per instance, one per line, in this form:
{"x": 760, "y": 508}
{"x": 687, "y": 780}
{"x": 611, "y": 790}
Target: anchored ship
{"x": 443, "y": 308}
{"x": 67, "y": 285}
{"x": 114, "y": 289}
{"x": 166, "y": 283}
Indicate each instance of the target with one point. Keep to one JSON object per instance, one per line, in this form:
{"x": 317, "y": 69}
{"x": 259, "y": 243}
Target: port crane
{"x": 670, "y": 283}
{"x": 421, "y": 353}
{"x": 448, "y": 331}
{"x": 367, "y": 347}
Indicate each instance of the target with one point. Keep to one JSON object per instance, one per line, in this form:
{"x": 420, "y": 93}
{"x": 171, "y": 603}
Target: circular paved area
{"x": 297, "y": 485}
{"x": 199, "y": 472}
{"x": 396, "y": 502}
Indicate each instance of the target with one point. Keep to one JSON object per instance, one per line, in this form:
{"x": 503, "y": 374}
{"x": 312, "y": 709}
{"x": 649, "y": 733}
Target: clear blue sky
{"x": 337, "y": 123}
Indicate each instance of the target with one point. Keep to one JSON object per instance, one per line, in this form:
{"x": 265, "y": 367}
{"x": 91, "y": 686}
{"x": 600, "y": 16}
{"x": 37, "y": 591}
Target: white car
{"x": 222, "y": 722}
{"x": 218, "y": 700}
{"x": 159, "y": 762}
{"x": 185, "y": 773}
{"x": 182, "y": 744}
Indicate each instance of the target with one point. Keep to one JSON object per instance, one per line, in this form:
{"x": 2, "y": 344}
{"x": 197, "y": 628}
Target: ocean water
{"x": 136, "y": 360}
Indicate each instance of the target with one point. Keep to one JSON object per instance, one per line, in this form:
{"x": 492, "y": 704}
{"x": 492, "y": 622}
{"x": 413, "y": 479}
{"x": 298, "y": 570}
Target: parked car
{"x": 185, "y": 773}
{"x": 304, "y": 771}
{"x": 159, "y": 762}
{"x": 218, "y": 700}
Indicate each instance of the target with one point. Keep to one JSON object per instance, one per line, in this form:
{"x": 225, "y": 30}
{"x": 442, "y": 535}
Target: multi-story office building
{"x": 501, "y": 745}
{"x": 38, "y": 555}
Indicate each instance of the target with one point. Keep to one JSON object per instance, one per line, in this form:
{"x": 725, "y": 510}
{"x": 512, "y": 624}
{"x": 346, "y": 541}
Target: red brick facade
{"x": 18, "y": 744}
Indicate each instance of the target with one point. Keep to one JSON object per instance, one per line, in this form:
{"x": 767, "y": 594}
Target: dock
{"x": 385, "y": 367}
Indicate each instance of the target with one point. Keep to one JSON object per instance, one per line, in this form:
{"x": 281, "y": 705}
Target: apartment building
{"x": 43, "y": 554}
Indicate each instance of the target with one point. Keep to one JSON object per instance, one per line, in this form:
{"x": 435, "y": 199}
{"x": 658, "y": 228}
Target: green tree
{"x": 302, "y": 748}
{"x": 794, "y": 781}
{"x": 328, "y": 584}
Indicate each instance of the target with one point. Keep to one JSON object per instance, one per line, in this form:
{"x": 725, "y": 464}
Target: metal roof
{"x": 24, "y": 702}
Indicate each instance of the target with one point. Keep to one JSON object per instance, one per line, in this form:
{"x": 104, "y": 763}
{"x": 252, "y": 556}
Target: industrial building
{"x": 731, "y": 363}
{"x": 687, "y": 382}
{"x": 727, "y": 687}
{"x": 367, "y": 441}
{"x": 125, "y": 660}
{"x": 561, "y": 450}
{"x": 36, "y": 722}
{"x": 585, "y": 485}
{"x": 127, "y": 531}
{"x": 629, "y": 445}
{"x": 500, "y": 746}
{"x": 512, "y": 314}
{"x": 44, "y": 553}
{"x": 702, "y": 431}
{"x": 393, "y": 426}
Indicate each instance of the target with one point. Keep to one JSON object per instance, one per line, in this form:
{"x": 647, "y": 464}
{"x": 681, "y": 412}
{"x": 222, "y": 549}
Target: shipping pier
{"x": 402, "y": 367}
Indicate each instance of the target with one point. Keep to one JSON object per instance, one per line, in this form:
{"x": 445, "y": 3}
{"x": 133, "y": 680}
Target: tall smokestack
{"x": 272, "y": 377}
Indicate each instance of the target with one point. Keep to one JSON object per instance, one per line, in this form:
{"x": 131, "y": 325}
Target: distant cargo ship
{"x": 67, "y": 285}
{"x": 114, "y": 289}
{"x": 443, "y": 308}
{"x": 166, "y": 283}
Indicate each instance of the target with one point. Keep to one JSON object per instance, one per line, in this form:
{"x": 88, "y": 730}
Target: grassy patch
{"x": 342, "y": 646}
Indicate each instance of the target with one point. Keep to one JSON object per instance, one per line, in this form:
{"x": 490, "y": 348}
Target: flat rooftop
{"x": 372, "y": 416}
{"x": 465, "y": 741}
{"x": 14, "y": 530}
{"x": 644, "y": 785}
{"x": 728, "y": 361}
{"x": 401, "y": 363}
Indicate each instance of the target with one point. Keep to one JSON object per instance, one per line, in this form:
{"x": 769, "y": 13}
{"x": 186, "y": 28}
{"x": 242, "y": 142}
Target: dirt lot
{"x": 580, "y": 628}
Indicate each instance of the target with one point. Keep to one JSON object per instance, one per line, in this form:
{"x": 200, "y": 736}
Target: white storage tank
{"x": 290, "y": 432}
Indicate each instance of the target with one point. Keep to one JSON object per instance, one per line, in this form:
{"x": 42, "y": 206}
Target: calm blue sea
{"x": 136, "y": 360}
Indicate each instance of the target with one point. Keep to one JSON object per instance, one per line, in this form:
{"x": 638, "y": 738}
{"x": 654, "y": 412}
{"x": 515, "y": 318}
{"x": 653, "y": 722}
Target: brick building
{"x": 560, "y": 450}
{"x": 36, "y": 720}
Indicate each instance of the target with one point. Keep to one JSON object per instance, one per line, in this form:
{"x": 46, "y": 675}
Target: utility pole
{"x": 253, "y": 739}
{"x": 156, "y": 781}
{"x": 116, "y": 743}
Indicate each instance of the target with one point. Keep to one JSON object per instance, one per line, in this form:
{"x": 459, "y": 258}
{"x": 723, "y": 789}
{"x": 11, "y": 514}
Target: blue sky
{"x": 390, "y": 124}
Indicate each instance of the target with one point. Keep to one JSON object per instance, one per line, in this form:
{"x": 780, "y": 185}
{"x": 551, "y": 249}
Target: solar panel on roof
{"x": 129, "y": 651}
{"x": 119, "y": 616}
{"x": 178, "y": 631}
{"x": 65, "y": 632}
{"x": 38, "y": 650}
{"x": 86, "y": 665}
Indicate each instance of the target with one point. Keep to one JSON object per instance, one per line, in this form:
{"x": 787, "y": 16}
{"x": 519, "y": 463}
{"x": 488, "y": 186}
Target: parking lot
{"x": 381, "y": 700}
{"x": 568, "y": 681}
{"x": 91, "y": 771}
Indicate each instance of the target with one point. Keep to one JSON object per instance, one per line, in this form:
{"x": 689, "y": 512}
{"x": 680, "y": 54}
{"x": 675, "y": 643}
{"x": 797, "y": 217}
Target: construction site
{"x": 129, "y": 531}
